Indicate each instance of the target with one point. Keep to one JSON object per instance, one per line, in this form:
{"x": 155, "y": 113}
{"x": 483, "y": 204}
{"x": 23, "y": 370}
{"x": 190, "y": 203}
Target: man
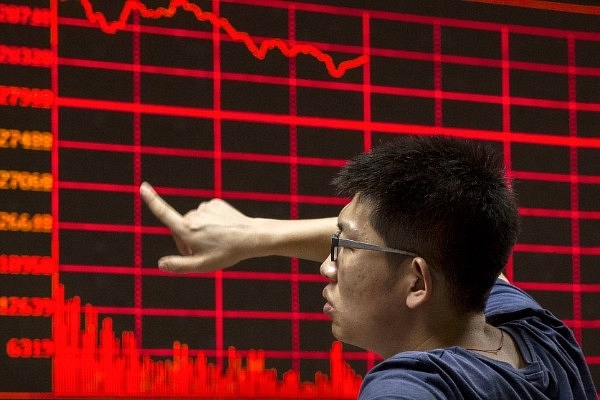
{"x": 414, "y": 271}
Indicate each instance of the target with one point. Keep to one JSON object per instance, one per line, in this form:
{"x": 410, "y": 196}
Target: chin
{"x": 345, "y": 337}
{"x": 337, "y": 333}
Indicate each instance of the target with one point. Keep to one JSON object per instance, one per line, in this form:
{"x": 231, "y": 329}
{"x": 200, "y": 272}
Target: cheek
{"x": 361, "y": 280}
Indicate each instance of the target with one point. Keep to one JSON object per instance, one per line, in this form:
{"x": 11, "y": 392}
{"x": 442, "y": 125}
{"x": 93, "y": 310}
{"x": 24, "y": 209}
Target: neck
{"x": 448, "y": 329}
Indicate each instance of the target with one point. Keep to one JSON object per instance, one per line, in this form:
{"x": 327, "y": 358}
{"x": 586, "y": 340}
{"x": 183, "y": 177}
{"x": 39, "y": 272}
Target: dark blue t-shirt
{"x": 555, "y": 369}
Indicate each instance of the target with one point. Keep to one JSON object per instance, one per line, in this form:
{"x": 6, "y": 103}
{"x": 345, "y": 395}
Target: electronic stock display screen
{"x": 260, "y": 103}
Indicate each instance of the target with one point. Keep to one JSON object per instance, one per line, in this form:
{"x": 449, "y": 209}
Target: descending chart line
{"x": 257, "y": 50}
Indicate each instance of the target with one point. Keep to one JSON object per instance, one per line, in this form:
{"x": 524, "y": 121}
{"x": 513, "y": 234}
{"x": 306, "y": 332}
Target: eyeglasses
{"x": 336, "y": 242}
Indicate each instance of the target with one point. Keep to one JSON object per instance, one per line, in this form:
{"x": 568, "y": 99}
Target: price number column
{"x": 26, "y": 306}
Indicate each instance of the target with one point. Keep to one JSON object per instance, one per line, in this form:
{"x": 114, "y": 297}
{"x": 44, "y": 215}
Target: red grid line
{"x": 54, "y": 206}
{"x": 371, "y": 358}
{"x": 575, "y": 213}
{"x": 137, "y": 173}
{"x": 556, "y": 249}
{"x": 506, "y": 122}
{"x": 218, "y": 177}
{"x": 271, "y": 158}
{"x": 437, "y": 74}
{"x": 546, "y": 5}
{"x": 274, "y": 354}
{"x": 555, "y": 177}
{"x": 437, "y": 59}
{"x": 523, "y": 211}
{"x": 199, "y": 193}
{"x": 155, "y": 30}
{"x": 582, "y": 324}
{"x": 346, "y": 124}
{"x": 558, "y": 287}
{"x": 211, "y": 313}
{"x": 366, "y": 82}
{"x": 304, "y": 316}
{"x": 227, "y": 274}
{"x": 200, "y": 35}
{"x": 423, "y": 19}
{"x": 389, "y": 53}
{"x": 208, "y": 154}
{"x": 294, "y": 212}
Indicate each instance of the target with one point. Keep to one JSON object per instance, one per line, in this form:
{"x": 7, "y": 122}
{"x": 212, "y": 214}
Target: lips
{"x": 328, "y": 307}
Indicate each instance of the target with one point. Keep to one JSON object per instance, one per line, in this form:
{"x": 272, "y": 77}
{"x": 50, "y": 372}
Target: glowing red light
{"x": 93, "y": 361}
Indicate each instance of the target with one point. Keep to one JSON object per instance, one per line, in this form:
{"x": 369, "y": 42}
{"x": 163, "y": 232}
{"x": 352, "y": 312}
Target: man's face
{"x": 362, "y": 297}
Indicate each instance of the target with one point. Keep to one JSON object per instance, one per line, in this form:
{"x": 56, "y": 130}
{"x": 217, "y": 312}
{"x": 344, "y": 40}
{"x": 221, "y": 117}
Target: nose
{"x": 329, "y": 269}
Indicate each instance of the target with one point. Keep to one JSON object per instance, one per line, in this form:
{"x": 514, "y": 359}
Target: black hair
{"x": 448, "y": 200}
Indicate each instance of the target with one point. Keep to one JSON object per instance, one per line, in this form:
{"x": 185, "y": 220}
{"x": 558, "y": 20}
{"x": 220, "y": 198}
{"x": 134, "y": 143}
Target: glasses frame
{"x": 336, "y": 242}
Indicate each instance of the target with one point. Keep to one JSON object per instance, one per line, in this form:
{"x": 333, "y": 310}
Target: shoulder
{"x": 542, "y": 337}
{"x": 452, "y": 373}
{"x": 411, "y": 375}
{"x": 516, "y": 311}
{"x": 507, "y": 304}
{"x": 506, "y": 298}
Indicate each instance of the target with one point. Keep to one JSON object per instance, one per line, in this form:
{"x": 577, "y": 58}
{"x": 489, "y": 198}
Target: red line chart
{"x": 258, "y": 50}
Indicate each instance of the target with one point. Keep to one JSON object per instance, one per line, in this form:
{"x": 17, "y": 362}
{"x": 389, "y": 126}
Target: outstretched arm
{"x": 216, "y": 235}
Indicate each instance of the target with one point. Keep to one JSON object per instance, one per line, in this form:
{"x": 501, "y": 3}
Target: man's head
{"x": 447, "y": 200}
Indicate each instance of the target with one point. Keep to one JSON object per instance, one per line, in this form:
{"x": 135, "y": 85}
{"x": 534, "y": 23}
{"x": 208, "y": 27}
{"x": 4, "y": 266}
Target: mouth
{"x": 328, "y": 307}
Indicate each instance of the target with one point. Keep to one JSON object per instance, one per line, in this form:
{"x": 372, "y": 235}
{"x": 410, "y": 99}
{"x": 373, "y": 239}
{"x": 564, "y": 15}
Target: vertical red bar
{"x": 88, "y": 351}
{"x": 74, "y": 315}
{"x": 132, "y": 363}
{"x": 137, "y": 172}
{"x": 336, "y": 368}
{"x": 367, "y": 115}
{"x": 366, "y": 48}
{"x": 575, "y": 240}
{"x": 294, "y": 213}
{"x": 105, "y": 354}
{"x": 506, "y": 129}
{"x": 184, "y": 377}
{"x": 58, "y": 336}
{"x": 218, "y": 176}
{"x": 201, "y": 373}
{"x": 437, "y": 73}
{"x": 56, "y": 292}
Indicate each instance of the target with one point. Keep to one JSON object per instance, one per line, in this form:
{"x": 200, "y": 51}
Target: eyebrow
{"x": 343, "y": 227}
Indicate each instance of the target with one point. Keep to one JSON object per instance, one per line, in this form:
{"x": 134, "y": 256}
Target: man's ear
{"x": 421, "y": 281}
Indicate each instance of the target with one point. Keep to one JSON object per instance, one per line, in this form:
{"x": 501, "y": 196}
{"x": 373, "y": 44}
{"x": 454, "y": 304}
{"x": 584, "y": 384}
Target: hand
{"x": 212, "y": 237}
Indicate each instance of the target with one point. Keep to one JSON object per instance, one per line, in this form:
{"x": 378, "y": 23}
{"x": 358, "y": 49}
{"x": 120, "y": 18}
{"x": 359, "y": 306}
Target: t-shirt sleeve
{"x": 396, "y": 389}
{"x": 506, "y": 298}
{"x": 404, "y": 377}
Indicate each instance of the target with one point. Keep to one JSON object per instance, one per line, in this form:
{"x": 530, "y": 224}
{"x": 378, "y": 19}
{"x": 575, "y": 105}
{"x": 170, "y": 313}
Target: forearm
{"x": 307, "y": 239}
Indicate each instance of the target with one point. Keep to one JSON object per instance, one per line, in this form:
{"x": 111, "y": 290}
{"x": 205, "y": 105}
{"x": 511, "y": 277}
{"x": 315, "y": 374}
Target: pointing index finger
{"x": 160, "y": 208}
